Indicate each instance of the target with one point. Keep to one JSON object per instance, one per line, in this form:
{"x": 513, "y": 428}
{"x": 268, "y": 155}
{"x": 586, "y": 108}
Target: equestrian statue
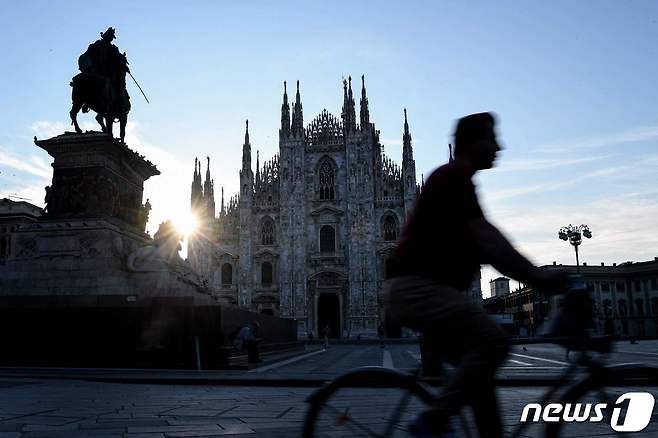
{"x": 101, "y": 85}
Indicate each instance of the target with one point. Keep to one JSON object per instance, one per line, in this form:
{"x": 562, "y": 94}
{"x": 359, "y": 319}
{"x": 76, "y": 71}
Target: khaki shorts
{"x": 442, "y": 313}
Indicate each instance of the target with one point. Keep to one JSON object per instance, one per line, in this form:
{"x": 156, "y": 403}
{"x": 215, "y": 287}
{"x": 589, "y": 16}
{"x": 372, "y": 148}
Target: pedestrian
{"x": 247, "y": 339}
{"x": 380, "y": 334}
{"x": 326, "y": 332}
{"x": 309, "y": 336}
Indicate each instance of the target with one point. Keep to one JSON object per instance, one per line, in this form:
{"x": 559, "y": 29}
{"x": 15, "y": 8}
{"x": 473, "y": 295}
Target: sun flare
{"x": 186, "y": 224}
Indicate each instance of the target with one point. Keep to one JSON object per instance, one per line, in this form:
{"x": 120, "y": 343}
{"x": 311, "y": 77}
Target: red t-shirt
{"x": 436, "y": 242}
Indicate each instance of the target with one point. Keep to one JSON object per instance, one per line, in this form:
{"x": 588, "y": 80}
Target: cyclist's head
{"x": 475, "y": 140}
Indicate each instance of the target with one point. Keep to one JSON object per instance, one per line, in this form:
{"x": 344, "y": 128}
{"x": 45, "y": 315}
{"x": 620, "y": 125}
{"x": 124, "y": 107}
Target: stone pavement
{"x": 262, "y": 402}
{"x": 31, "y": 408}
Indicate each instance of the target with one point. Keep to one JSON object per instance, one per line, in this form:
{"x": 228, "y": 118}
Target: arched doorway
{"x": 329, "y": 314}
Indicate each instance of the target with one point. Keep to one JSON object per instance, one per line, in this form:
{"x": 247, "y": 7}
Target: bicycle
{"x": 345, "y": 407}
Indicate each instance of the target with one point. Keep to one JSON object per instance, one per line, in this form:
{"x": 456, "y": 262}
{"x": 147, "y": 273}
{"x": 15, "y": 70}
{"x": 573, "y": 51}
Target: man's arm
{"x": 496, "y": 250}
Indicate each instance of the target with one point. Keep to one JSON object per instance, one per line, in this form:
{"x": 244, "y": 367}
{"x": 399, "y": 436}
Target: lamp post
{"x": 573, "y": 234}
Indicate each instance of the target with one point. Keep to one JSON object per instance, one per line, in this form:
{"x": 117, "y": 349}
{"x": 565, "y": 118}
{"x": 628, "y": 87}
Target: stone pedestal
{"x": 96, "y": 176}
{"x": 94, "y": 222}
{"x": 85, "y": 286}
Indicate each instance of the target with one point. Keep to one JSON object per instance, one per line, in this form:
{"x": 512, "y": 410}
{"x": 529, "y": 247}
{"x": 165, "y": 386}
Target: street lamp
{"x": 573, "y": 234}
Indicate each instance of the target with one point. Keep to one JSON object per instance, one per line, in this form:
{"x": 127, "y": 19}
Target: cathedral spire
{"x": 196, "y": 190}
{"x": 407, "y": 150}
{"x": 285, "y": 112}
{"x": 197, "y": 170}
{"x": 408, "y": 171}
{"x": 365, "y": 113}
{"x": 257, "y": 169}
{"x": 246, "y": 150}
{"x": 223, "y": 210}
{"x": 246, "y": 133}
{"x": 209, "y": 193}
{"x": 349, "y": 113}
{"x": 297, "y": 115}
{"x": 349, "y": 88}
{"x": 451, "y": 158}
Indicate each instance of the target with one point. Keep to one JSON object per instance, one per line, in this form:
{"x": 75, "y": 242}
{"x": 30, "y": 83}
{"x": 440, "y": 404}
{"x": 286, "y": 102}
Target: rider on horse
{"x": 101, "y": 85}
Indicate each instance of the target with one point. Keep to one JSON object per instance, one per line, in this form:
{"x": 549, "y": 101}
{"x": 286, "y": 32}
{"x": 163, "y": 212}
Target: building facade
{"x": 13, "y": 214}
{"x": 309, "y": 233}
{"x": 625, "y": 299}
{"x": 499, "y": 286}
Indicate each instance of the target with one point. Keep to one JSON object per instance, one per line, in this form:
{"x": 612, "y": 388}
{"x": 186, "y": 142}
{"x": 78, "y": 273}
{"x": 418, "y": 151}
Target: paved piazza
{"x": 40, "y": 407}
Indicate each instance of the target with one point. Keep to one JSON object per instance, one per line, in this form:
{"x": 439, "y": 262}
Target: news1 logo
{"x": 637, "y": 407}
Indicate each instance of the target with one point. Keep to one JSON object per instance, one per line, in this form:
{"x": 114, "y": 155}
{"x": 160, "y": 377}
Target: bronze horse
{"x": 107, "y": 98}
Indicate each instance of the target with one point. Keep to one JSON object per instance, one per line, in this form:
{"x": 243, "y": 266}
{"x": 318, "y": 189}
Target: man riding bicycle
{"x": 445, "y": 241}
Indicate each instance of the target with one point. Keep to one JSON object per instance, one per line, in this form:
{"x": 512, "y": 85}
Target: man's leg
{"x": 252, "y": 351}
{"x": 473, "y": 381}
{"x": 463, "y": 333}
{"x": 485, "y": 411}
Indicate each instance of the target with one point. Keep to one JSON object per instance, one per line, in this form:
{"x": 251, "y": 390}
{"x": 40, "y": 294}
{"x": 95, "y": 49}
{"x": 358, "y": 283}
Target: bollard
{"x": 197, "y": 351}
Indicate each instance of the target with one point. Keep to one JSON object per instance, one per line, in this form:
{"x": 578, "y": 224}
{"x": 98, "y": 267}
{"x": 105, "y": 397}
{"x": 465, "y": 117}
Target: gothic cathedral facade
{"x": 309, "y": 234}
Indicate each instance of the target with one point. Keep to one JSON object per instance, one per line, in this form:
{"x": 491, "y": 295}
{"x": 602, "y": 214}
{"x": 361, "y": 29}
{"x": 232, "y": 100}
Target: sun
{"x": 186, "y": 223}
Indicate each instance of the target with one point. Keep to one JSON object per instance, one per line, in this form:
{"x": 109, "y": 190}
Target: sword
{"x": 140, "y": 88}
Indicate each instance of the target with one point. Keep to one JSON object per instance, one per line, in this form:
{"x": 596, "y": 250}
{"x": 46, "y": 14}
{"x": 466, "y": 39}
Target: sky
{"x": 573, "y": 85}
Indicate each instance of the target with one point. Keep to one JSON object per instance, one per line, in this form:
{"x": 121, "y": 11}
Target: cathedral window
{"x": 327, "y": 239}
{"x": 390, "y": 228}
{"x": 227, "y": 274}
{"x": 327, "y": 178}
{"x": 266, "y": 274}
{"x": 267, "y": 232}
{"x": 623, "y": 309}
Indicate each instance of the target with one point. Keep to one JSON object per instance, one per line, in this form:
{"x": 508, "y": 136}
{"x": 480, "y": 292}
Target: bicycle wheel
{"x": 369, "y": 402}
{"x": 604, "y": 387}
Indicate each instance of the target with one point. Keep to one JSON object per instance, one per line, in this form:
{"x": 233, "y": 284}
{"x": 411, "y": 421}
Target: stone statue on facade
{"x": 48, "y": 200}
{"x": 143, "y": 215}
{"x": 101, "y": 85}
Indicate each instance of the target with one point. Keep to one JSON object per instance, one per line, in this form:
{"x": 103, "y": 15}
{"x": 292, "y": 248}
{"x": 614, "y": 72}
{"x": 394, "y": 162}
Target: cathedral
{"x": 309, "y": 233}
